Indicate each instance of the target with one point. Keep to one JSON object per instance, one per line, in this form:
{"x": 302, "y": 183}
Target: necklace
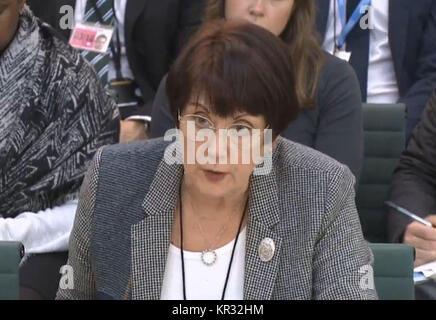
{"x": 209, "y": 255}
{"x": 181, "y": 247}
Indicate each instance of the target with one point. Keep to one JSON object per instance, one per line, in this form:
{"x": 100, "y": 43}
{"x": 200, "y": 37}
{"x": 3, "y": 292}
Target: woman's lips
{"x": 214, "y": 176}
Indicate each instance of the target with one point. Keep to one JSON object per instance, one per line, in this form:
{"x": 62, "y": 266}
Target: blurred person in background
{"x": 328, "y": 91}
{"x": 148, "y": 37}
{"x": 414, "y": 188}
{"x": 54, "y": 116}
{"x": 394, "y": 56}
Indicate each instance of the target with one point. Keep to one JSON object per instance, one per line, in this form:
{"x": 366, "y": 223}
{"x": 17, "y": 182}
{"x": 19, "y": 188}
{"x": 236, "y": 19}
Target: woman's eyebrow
{"x": 239, "y": 116}
{"x": 197, "y": 104}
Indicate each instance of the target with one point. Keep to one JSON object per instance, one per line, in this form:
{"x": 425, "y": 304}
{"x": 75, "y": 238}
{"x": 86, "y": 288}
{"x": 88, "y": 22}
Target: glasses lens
{"x": 193, "y": 124}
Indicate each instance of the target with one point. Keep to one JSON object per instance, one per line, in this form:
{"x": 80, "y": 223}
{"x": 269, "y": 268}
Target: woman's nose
{"x": 217, "y": 150}
{"x": 257, "y": 9}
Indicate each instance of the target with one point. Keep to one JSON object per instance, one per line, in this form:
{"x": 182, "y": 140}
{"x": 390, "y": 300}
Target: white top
{"x": 205, "y": 282}
{"x": 42, "y": 232}
{"x": 382, "y": 82}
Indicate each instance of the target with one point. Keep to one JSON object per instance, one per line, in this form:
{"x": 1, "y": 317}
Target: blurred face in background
{"x": 272, "y": 15}
{"x": 9, "y": 20}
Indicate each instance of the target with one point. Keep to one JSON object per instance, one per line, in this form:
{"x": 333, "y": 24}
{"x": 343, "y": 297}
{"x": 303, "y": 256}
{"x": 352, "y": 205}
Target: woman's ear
{"x": 275, "y": 142}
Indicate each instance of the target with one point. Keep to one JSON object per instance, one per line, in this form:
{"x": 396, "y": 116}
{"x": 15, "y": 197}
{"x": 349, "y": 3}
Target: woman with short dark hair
{"x": 327, "y": 88}
{"x": 192, "y": 219}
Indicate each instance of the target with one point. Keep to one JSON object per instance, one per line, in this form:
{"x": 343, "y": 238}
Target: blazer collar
{"x": 264, "y": 214}
{"x": 150, "y": 238}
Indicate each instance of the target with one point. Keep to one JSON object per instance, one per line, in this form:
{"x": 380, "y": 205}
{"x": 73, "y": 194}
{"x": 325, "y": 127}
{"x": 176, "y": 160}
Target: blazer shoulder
{"x": 335, "y": 68}
{"x": 139, "y": 151}
{"x": 337, "y": 82}
{"x": 297, "y": 157}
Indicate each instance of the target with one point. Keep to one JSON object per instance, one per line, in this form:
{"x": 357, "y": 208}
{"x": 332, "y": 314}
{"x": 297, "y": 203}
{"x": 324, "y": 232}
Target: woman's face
{"x": 9, "y": 19}
{"x": 272, "y": 15}
{"x": 219, "y": 166}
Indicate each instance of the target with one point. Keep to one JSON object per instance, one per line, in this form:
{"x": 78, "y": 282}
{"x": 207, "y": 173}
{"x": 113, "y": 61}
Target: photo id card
{"x": 344, "y": 55}
{"x": 87, "y": 36}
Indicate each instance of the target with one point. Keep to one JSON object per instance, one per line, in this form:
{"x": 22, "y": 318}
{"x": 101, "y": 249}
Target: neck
{"x": 208, "y": 221}
{"x": 209, "y": 207}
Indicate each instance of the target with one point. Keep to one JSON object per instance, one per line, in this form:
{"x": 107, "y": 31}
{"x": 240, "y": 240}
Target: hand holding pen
{"x": 421, "y": 234}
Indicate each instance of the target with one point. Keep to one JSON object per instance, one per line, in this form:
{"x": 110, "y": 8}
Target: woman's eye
{"x": 203, "y": 123}
{"x": 242, "y": 129}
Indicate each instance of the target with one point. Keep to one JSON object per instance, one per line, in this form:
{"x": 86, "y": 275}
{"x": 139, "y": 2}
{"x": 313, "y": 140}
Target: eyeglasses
{"x": 202, "y": 124}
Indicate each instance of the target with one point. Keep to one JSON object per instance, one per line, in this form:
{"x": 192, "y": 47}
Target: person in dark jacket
{"x": 394, "y": 58}
{"x": 414, "y": 188}
{"x": 152, "y": 34}
{"x": 328, "y": 90}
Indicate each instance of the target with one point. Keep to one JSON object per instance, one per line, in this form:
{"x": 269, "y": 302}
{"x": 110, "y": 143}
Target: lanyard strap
{"x": 347, "y": 27}
{"x": 181, "y": 247}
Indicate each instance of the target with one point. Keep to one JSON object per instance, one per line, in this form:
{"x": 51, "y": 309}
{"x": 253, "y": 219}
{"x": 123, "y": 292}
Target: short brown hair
{"x": 304, "y": 45}
{"x": 238, "y": 66}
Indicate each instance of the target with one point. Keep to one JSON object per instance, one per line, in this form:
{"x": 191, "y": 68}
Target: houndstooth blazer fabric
{"x": 121, "y": 236}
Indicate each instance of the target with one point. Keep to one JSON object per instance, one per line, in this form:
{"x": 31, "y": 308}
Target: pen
{"x": 408, "y": 213}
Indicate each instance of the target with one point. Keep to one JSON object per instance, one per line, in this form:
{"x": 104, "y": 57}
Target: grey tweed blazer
{"x": 121, "y": 236}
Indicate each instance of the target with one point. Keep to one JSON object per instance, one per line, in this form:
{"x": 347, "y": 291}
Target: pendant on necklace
{"x": 208, "y": 257}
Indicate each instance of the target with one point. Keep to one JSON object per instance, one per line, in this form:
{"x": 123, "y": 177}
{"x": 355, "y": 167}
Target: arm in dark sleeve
{"x": 425, "y": 76}
{"x": 190, "y": 18}
{"x": 161, "y": 118}
{"x": 181, "y": 19}
{"x": 414, "y": 182}
{"x": 340, "y": 124}
{"x": 80, "y": 257}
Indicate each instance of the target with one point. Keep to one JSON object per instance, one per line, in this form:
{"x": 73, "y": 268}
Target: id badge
{"x": 344, "y": 55}
{"x": 89, "y": 37}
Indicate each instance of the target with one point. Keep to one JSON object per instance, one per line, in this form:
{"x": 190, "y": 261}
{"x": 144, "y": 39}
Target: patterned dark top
{"x": 54, "y": 116}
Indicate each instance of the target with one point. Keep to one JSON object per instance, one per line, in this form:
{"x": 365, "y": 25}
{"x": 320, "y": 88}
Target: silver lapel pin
{"x": 267, "y": 249}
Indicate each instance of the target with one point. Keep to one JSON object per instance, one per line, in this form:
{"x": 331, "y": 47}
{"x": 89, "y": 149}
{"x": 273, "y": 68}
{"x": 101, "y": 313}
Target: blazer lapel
{"x": 150, "y": 238}
{"x": 150, "y": 241}
{"x": 398, "y": 29}
{"x": 264, "y": 214}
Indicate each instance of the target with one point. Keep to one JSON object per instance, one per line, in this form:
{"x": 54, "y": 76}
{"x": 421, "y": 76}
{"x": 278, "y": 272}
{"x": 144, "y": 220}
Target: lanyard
{"x": 181, "y": 247}
{"x": 347, "y": 27}
{"x": 116, "y": 51}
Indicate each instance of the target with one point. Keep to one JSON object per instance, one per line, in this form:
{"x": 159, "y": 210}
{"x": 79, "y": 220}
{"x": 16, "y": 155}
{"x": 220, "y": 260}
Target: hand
{"x": 423, "y": 238}
{"x": 132, "y": 130}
